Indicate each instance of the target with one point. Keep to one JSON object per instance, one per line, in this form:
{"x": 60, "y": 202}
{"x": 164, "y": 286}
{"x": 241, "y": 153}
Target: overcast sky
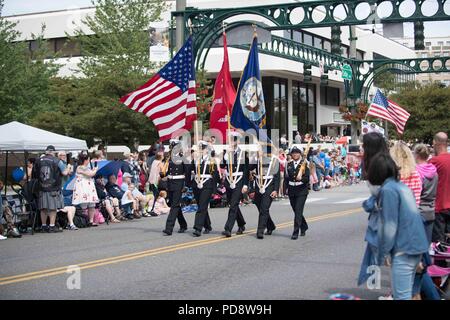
{"x": 12, "y": 7}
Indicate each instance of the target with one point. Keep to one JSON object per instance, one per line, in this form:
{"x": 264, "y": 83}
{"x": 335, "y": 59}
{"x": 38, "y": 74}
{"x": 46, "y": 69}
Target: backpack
{"x": 80, "y": 220}
{"x": 48, "y": 174}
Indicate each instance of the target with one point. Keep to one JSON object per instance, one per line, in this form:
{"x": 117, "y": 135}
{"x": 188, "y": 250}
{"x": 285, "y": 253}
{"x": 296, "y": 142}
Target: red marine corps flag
{"x": 224, "y": 95}
{"x": 169, "y": 98}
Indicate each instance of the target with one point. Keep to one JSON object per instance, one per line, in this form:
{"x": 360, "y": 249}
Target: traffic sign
{"x": 347, "y": 72}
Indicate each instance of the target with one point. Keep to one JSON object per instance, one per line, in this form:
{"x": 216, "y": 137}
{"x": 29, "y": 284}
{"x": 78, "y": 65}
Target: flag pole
{"x": 230, "y": 157}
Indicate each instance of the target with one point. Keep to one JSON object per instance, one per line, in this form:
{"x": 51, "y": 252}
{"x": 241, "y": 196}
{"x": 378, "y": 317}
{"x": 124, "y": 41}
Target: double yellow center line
{"x": 142, "y": 254}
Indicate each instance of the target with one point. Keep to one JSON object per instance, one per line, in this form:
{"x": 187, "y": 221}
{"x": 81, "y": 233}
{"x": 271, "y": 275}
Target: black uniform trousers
{"x": 202, "y": 197}
{"x": 298, "y": 203}
{"x": 175, "y": 211}
{"x": 234, "y": 213}
{"x": 263, "y": 203}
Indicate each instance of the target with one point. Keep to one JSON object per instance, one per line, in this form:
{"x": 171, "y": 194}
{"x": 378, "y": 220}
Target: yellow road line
{"x": 152, "y": 252}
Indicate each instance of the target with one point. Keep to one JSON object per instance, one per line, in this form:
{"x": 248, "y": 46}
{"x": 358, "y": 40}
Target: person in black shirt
{"x": 297, "y": 187}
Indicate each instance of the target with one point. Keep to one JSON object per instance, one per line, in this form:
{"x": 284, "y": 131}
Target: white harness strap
{"x": 267, "y": 179}
{"x": 236, "y": 176}
{"x": 203, "y": 177}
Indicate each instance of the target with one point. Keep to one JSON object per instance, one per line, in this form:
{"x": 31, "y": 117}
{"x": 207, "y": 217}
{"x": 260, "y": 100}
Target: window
{"x": 307, "y": 39}
{"x": 427, "y": 44}
{"x": 275, "y": 97}
{"x": 327, "y": 45}
{"x": 304, "y": 107}
{"x": 318, "y": 43}
{"x": 360, "y": 55}
{"x": 330, "y": 96}
{"x": 440, "y": 43}
{"x": 297, "y": 36}
{"x": 67, "y": 47}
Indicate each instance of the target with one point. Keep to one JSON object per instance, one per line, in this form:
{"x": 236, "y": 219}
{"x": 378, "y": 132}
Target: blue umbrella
{"x": 107, "y": 168}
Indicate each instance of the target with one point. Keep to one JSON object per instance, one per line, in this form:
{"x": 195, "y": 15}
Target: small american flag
{"x": 169, "y": 98}
{"x": 385, "y": 109}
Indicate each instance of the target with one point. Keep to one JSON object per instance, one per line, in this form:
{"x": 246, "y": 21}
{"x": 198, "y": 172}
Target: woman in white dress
{"x": 84, "y": 193}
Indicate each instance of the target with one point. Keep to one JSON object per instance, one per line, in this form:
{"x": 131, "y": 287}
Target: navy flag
{"x": 249, "y": 111}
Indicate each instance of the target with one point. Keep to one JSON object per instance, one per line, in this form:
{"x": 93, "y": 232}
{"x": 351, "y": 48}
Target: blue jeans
{"x": 403, "y": 272}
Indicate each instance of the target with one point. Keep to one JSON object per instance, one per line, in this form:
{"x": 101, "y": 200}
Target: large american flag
{"x": 168, "y": 98}
{"x": 383, "y": 108}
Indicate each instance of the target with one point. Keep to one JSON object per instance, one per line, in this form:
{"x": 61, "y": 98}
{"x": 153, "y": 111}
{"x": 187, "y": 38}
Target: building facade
{"x": 291, "y": 103}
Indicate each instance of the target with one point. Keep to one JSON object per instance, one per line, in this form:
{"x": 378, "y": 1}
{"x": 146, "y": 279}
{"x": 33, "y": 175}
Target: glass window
{"x": 283, "y": 109}
{"x": 327, "y": 45}
{"x": 427, "y": 44}
{"x": 67, "y": 47}
{"x": 330, "y": 96}
{"x": 297, "y": 36}
{"x": 276, "y": 104}
{"x": 318, "y": 43}
{"x": 307, "y": 39}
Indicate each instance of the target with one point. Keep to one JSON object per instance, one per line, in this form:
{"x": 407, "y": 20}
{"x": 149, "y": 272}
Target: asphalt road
{"x": 133, "y": 260}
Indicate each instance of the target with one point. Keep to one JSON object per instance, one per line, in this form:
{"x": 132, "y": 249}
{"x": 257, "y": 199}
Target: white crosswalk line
{"x": 354, "y": 200}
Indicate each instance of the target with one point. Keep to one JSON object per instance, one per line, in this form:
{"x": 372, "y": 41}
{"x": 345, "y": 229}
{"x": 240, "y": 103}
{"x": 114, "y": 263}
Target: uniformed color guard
{"x": 296, "y": 183}
{"x": 178, "y": 172}
{"x": 205, "y": 178}
{"x": 267, "y": 181}
{"x": 236, "y": 180}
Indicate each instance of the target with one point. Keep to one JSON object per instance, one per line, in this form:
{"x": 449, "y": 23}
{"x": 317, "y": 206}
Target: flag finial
{"x": 254, "y": 29}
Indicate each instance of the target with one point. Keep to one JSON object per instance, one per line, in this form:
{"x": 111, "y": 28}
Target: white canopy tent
{"x": 16, "y": 136}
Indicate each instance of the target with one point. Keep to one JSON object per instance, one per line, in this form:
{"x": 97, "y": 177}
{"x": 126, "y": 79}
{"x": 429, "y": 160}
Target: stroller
{"x": 440, "y": 269}
{"x": 219, "y": 198}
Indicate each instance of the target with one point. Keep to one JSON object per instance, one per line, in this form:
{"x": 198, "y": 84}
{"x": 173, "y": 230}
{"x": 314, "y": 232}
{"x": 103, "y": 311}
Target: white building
{"x": 434, "y": 47}
{"x": 291, "y": 104}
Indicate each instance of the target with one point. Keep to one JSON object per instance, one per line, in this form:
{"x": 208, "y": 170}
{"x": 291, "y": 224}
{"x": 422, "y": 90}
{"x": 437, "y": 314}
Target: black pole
{"x": 26, "y": 165}
{"x": 6, "y": 173}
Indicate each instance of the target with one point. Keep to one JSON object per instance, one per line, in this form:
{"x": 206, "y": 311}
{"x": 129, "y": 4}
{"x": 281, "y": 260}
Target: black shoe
{"x": 130, "y": 217}
{"x": 303, "y": 233}
{"x": 259, "y": 236}
{"x": 241, "y": 230}
{"x": 45, "y": 229}
{"x": 226, "y": 233}
{"x": 294, "y": 237}
{"x": 182, "y": 230}
{"x": 207, "y": 231}
{"x": 197, "y": 233}
{"x": 54, "y": 229}
{"x": 269, "y": 232}
{"x": 167, "y": 232}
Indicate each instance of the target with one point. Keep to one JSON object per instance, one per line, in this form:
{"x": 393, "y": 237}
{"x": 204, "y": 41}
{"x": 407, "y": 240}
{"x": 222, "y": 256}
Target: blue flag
{"x": 249, "y": 110}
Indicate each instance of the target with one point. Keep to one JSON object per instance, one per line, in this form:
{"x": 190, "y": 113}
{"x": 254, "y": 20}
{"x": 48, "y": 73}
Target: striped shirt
{"x": 415, "y": 184}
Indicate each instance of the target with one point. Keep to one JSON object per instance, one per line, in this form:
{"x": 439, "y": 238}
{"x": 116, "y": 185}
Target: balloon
{"x": 18, "y": 174}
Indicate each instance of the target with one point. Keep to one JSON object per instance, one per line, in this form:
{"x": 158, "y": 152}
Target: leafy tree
{"x": 115, "y": 62}
{"x": 429, "y": 107}
{"x": 25, "y": 77}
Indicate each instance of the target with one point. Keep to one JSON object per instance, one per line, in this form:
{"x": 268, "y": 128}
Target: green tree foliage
{"x": 25, "y": 77}
{"x": 429, "y": 107}
{"x": 115, "y": 62}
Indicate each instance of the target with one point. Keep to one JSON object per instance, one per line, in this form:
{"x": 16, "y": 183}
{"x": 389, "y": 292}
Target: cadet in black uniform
{"x": 267, "y": 185}
{"x": 236, "y": 181}
{"x": 297, "y": 187}
{"x": 178, "y": 173}
{"x": 206, "y": 175}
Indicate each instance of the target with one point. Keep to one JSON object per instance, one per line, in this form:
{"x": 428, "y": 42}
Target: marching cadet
{"x": 236, "y": 179}
{"x": 178, "y": 172}
{"x": 296, "y": 182}
{"x": 206, "y": 176}
{"x": 267, "y": 180}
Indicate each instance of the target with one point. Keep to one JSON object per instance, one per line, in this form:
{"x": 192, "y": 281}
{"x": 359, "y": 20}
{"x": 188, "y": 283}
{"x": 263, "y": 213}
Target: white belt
{"x": 265, "y": 177}
{"x": 294, "y": 183}
{"x": 235, "y": 174}
{"x": 181, "y": 176}
{"x": 207, "y": 176}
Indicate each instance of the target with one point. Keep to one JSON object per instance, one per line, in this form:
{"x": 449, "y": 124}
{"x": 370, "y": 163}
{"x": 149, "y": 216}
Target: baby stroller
{"x": 440, "y": 269}
{"x": 219, "y": 198}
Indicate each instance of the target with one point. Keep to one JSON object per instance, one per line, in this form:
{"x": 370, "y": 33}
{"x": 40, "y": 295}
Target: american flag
{"x": 385, "y": 109}
{"x": 168, "y": 98}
